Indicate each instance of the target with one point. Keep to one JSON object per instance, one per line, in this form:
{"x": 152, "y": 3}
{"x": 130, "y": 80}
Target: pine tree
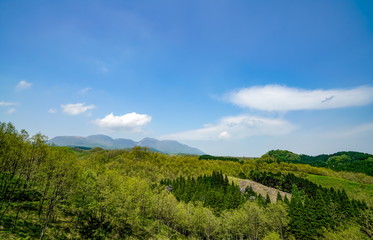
{"x": 267, "y": 200}
{"x": 278, "y": 198}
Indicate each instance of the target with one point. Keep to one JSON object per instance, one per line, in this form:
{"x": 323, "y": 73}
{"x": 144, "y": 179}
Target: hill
{"x": 106, "y": 142}
{"x": 340, "y": 161}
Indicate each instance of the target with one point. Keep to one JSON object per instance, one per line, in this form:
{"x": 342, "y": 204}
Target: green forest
{"x": 341, "y": 161}
{"x": 49, "y": 192}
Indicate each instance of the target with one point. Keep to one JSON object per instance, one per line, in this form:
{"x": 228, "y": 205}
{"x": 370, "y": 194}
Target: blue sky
{"x": 230, "y": 77}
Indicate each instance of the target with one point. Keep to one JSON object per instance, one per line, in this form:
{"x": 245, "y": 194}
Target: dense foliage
{"x": 49, "y": 192}
{"x": 341, "y": 161}
{"x": 213, "y": 191}
{"x": 209, "y": 157}
{"x": 312, "y": 207}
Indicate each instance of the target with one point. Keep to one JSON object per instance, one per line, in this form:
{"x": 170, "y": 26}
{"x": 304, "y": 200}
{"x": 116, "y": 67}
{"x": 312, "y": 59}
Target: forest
{"x": 49, "y": 192}
{"x": 340, "y": 161}
{"x": 210, "y": 157}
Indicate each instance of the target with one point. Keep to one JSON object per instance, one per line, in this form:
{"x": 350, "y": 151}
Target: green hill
{"x": 341, "y": 161}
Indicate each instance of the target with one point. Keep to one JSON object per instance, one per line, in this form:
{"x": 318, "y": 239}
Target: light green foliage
{"x": 250, "y": 221}
{"x": 272, "y": 236}
{"x": 351, "y": 233}
{"x": 278, "y": 219}
{"x": 359, "y": 191}
{"x": 336, "y": 160}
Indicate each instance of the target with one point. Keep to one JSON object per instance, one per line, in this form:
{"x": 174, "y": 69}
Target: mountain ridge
{"x": 104, "y": 141}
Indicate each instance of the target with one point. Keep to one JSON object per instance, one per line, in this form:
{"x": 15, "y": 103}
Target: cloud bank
{"x": 76, "y": 108}
{"x": 236, "y": 127}
{"x": 281, "y": 98}
{"x": 22, "y": 85}
{"x": 127, "y": 122}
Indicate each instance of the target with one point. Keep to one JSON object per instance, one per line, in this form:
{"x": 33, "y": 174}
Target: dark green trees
{"x": 312, "y": 208}
{"x": 213, "y": 191}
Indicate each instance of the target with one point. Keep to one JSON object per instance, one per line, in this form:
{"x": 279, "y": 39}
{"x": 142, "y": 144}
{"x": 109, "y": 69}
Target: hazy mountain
{"x": 168, "y": 146}
{"x": 103, "y": 141}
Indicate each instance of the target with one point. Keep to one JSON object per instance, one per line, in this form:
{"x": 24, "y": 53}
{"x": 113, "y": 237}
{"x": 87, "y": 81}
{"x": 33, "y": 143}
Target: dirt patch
{"x": 260, "y": 189}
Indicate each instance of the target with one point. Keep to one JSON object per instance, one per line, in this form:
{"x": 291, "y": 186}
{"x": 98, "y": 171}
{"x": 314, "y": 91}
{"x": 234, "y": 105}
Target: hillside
{"x": 51, "y": 192}
{"x": 261, "y": 189}
{"x": 341, "y": 161}
{"x": 106, "y": 142}
{"x": 353, "y": 189}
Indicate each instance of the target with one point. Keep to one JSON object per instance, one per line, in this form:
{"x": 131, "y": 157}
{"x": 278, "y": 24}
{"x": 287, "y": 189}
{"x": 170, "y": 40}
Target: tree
{"x": 56, "y": 177}
{"x": 351, "y": 233}
{"x": 272, "y": 236}
{"x": 278, "y": 218}
{"x": 256, "y": 220}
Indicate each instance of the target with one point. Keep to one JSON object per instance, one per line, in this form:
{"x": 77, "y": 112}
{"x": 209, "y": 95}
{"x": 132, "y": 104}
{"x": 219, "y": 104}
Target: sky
{"x": 235, "y": 78}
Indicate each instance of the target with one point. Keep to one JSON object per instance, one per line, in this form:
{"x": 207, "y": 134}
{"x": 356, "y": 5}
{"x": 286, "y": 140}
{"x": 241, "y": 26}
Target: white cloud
{"x": 52, "y": 110}
{"x": 224, "y": 135}
{"x": 281, "y": 98}
{"x": 128, "y": 122}
{"x": 85, "y": 90}
{"x": 6, "y": 104}
{"x": 23, "y": 85}
{"x": 77, "y": 108}
{"x": 236, "y": 127}
{"x": 10, "y": 110}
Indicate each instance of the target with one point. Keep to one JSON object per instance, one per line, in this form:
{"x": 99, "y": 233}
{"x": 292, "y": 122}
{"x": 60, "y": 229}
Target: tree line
{"x": 220, "y": 158}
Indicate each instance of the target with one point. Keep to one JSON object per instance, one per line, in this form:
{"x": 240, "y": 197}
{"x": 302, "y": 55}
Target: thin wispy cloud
{"x": 282, "y": 98}
{"x": 85, "y": 90}
{"x": 9, "y": 104}
{"x": 10, "y": 110}
{"x": 6, "y": 104}
{"x": 132, "y": 122}
{"x": 22, "y": 85}
{"x": 52, "y": 110}
{"x": 236, "y": 127}
{"x": 76, "y": 108}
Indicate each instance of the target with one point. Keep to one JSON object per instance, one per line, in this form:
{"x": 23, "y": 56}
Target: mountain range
{"x": 103, "y": 141}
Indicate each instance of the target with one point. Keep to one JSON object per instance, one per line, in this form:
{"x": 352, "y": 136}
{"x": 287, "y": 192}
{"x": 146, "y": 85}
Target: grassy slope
{"x": 354, "y": 190}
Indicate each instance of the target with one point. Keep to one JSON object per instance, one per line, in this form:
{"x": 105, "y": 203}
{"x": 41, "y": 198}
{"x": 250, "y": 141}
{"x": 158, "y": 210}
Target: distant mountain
{"x": 103, "y": 141}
